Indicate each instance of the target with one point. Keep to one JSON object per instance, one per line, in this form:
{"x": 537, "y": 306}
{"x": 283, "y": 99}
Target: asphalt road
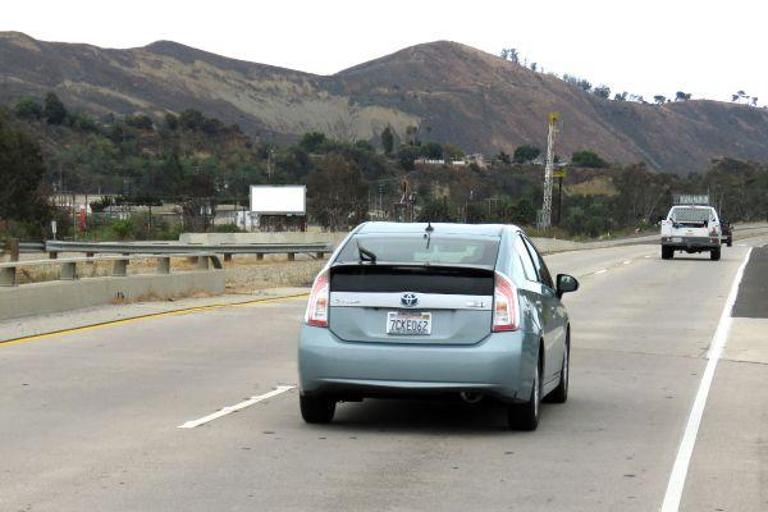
{"x": 90, "y": 420}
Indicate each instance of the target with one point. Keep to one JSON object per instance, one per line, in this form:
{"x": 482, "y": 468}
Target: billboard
{"x": 279, "y": 199}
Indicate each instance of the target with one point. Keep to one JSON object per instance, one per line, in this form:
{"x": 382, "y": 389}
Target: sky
{"x": 710, "y": 49}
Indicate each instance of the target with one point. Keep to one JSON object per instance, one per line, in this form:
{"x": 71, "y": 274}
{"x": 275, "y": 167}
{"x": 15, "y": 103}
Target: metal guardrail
{"x": 68, "y": 267}
{"x": 30, "y": 247}
{"x": 319, "y": 249}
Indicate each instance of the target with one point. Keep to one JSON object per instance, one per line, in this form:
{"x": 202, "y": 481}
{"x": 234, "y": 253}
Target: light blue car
{"x": 403, "y": 310}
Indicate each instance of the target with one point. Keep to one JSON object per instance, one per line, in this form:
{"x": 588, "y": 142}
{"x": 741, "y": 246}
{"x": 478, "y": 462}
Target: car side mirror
{"x": 565, "y": 284}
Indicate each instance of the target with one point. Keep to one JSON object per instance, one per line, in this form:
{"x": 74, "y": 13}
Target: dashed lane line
{"x": 234, "y": 408}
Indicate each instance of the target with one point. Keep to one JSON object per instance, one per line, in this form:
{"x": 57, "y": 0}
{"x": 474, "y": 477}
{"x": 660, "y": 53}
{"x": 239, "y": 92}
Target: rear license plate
{"x": 676, "y": 239}
{"x": 409, "y": 324}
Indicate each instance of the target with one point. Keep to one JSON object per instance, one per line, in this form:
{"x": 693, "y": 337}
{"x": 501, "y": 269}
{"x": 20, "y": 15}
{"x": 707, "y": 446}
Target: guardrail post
{"x": 227, "y": 256}
{"x": 8, "y": 276}
{"x": 320, "y": 255}
{"x": 260, "y": 256}
{"x": 120, "y": 268}
{"x": 163, "y": 264}
{"x": 68, "y": 271}
{"x": 53, "y": 255}
{"x": 291, "y": 256}
{"x": 12, "y": 248}
{"x": 202, "y": 263}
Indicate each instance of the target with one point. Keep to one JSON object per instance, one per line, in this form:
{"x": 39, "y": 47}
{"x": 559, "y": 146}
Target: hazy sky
{"x": 708, "y": 48}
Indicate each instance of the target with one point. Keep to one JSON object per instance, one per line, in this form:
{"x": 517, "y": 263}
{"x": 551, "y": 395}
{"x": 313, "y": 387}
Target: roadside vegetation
{"x": 151, "y": 177}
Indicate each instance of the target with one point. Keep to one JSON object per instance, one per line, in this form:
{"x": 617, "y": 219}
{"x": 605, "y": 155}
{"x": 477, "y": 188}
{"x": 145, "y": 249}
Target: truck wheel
{"x": 317, "y": 409}
{"x": 714, "y": 254}
{"x": 667, "y": 253}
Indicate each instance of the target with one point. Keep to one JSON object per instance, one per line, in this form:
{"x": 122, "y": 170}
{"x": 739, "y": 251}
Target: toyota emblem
{"x": 409, "y": 300}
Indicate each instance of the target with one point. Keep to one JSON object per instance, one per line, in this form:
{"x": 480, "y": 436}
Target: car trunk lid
{"x": 416, "y": 304}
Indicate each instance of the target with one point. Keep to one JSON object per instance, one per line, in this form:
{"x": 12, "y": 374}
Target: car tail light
{"x": 317, "y": 307}
{"x": 505, "y": 306}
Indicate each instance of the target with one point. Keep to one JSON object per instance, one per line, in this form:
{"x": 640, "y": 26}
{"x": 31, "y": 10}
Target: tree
{"x": 588, "y": 158}
{"x": 406, "y": 156}
{"x": 388, "y": 140}
{"x": 682, "y": 96}
{"x": 510, "y": 54}
{"x": 504, "y": 158}
{"x": 602, "y": 91}
{"x": 525, "y": 153}
{"x": 620, "y": 96}
{"x": 338, "y": 196}
{"x": 29, "y": 108}
{"x": 659, "y": 99}
{"x": 171, "y": 121}
{"x": 432, "y": 151}
{"x": 191, "y": 119}
{"x": 22, "y": 173}
{"x": 311, "y": 142}
{"x": 438, "y": 210}
{"x": 141, "y": 122}
{"x": 54, "y": 110}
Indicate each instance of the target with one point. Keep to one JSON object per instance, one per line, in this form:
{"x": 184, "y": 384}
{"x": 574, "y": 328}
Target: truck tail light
{"x": 317, "y": 306}
{"x": 506, "y": 311}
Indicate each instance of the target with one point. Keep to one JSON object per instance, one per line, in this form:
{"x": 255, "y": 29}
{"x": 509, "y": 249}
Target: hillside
{"x": 452, "y": 92}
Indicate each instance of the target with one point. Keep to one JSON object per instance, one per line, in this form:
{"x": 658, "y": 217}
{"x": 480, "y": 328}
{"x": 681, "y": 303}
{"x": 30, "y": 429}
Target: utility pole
{"x": 546, "y": 211}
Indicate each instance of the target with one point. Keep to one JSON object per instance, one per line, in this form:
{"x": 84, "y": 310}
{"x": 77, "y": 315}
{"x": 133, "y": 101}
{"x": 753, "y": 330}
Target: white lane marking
{"x": 627, "y": 262}
{"x": 680, "y": 468}
{"x": 647, "y": 256}
{"x": 601, "y": 271}
{"x": 233, "y": 408}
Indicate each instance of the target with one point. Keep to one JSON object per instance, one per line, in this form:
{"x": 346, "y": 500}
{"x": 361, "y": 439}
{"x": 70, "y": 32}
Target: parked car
{"x": 727, "y": 232}
{"x": 404, "y": 310}
{"x": 691, "y": 228}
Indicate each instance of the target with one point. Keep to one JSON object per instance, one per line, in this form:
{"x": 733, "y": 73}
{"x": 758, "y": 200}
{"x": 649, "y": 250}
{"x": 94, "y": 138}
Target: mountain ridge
{"x": 451, "y": 92}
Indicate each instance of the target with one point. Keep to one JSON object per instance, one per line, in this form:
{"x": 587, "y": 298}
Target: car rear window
{"x": 690, "y": 215}
{"x": 422, "y": 249}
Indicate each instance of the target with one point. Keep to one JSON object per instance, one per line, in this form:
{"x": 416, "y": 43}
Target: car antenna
{"x": 428, "y": 235}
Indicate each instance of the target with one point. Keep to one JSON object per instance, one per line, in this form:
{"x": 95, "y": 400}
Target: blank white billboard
{"x": 279, "y": 199}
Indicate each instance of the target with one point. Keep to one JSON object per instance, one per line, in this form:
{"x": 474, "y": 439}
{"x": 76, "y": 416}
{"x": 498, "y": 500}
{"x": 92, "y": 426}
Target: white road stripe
{"x": 680, "y": 469}
{"x": 627, "y": 262}
{"x": 233, "y": 408}
{"x": 601, "y": 271}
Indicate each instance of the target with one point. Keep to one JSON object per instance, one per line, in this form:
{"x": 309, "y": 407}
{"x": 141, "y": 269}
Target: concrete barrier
{"x": 58, "y": 296}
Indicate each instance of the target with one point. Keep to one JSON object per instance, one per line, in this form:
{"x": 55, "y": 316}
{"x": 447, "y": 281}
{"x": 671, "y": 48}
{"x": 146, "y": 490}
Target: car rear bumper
{"x": 698, "y": 242}
{"x": 502, "y": 365}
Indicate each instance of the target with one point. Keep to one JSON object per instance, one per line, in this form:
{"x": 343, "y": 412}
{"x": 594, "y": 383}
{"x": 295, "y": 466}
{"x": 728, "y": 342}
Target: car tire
{"x": 729, "y": 243}
{"x": 667, "y": 253}
{"x": 714, "y": 254}
{"x": 525, "y": 416}
{"x": 317, "y": 409}
{"x": 559, "y": 395}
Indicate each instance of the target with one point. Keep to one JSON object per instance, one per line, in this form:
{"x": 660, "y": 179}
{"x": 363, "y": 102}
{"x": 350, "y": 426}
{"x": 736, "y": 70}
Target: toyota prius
{"x": 412, "y": 309}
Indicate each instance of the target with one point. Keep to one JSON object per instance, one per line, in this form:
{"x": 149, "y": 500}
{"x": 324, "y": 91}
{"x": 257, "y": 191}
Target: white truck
{"x": 691, "y": 228}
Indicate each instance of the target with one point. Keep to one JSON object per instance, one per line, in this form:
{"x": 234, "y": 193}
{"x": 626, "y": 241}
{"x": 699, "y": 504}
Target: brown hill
{"x": 452, "y": 92}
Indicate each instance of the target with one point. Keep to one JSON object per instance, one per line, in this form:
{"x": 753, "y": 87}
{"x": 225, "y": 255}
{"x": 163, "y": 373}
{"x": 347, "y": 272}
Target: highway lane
{"x": 90, "y": 419}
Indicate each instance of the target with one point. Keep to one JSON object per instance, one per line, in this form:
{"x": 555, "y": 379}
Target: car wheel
{"x": 526, "y": 416}
{"x": 559, "y": 395}
{"x": 317, "y": 409}
{"x": 714, "y": 254}
{"x": 729, "y": 242}
{"x": 667, "y": 253}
